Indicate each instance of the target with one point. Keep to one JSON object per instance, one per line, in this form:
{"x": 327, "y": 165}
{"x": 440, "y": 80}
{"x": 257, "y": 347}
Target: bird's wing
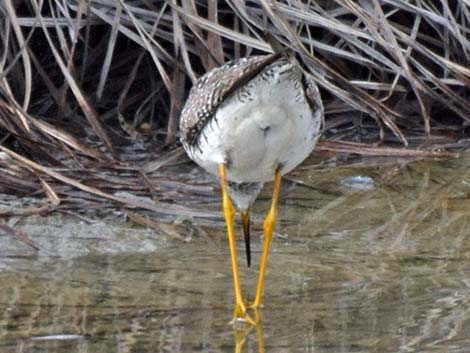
{"x": 213, "y": 88}
{"x": 313, "y": 97}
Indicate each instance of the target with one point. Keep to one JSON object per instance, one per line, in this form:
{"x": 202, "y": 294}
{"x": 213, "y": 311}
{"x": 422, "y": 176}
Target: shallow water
{"x": 381, "y": 268}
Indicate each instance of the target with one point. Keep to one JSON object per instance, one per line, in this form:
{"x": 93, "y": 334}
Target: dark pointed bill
{"x": 246, "y": 234}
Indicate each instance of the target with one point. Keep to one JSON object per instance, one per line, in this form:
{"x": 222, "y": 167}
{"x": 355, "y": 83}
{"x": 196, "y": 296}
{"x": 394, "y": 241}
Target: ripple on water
{"x": 385, "y": 270}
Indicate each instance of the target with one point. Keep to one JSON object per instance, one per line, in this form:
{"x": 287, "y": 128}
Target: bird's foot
{"x": 241, "y": 317}
{"x": 255, "y": 307}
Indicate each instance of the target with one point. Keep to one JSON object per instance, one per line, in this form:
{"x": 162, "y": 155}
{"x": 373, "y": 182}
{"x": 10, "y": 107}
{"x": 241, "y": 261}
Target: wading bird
{"x": 248, "y": 122}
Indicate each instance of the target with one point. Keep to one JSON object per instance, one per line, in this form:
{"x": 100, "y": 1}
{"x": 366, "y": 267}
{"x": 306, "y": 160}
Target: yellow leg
{"x": 229, "y": 214}
{"x": 268, "y": 228}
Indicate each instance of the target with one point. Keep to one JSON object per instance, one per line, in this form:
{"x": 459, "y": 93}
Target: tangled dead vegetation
{"x": 91, "y": 91}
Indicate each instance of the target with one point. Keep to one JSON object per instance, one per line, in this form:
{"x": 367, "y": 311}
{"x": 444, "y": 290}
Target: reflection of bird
{"x": 251, "y": 121}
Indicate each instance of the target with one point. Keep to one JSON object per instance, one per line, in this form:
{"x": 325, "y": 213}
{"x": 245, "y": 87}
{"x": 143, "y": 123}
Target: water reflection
{"x": 378, "y": 270}
{"x": 243, "y": 334}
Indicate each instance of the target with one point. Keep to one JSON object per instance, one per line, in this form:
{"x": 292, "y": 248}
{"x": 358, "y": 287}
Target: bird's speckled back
{"x": 211, "y": 89}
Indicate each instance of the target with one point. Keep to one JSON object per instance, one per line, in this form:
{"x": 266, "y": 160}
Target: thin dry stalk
{"x": 96, "y": 88}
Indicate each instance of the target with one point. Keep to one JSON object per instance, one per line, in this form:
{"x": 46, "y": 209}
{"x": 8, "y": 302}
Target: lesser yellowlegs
{"x": 251, "y": 121}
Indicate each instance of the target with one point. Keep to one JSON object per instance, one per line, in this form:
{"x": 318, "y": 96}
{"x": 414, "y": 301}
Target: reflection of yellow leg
{"x": 229, "y": 214}
{"x": 242, "y": 336}
{"x": 240, "y": 339}
{"x": 259, "y": 332}
{"x": 268, "y": 228}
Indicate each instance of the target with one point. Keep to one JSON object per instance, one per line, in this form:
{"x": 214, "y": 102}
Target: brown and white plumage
{"x": 210, "y": 90}
{"x": 254, "y": 114}
{"x": 251, "y": 121}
